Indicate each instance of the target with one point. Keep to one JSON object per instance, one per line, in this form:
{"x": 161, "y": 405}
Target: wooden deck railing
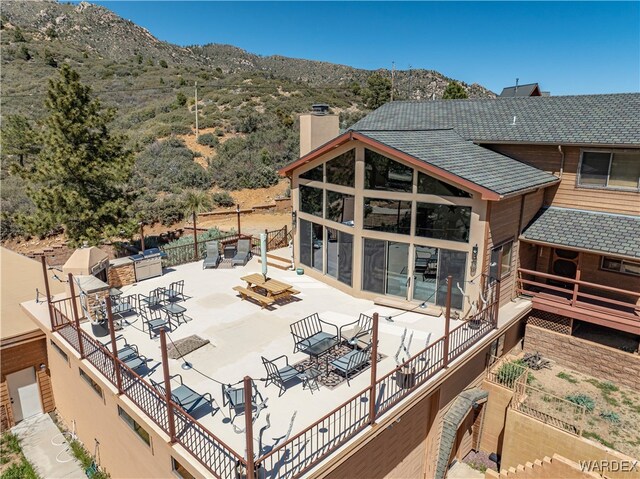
{"x": 597, "y": 299}
{"x": 306, "y": 449}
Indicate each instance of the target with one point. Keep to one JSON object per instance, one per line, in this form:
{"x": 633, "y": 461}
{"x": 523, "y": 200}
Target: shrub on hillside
{"x": 222, "y": 198}
{"x": 208, "y": 139}
{"x": 582, "y": 400}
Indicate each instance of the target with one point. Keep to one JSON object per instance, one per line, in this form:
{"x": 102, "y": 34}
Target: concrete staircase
{"x": 549, "y": 468}
{"x": 278, "y": 262}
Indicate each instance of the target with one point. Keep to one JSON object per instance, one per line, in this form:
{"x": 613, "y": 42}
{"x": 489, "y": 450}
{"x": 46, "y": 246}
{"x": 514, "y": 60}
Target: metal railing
{"x": 304, "y": 450}
{"x": 506, "y": 371}
{"x": 213, "y": 453}
{"x": 552, "y": 410}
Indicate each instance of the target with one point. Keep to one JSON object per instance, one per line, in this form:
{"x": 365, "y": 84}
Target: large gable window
{"x": 342, "y": 169}
{"x": 447, "y": 222}
{"x": 428, "y": 185}
{"x": 610, "y": 169}
{"x": 391, "y": 216}
{"x": 311, "y": 200}
{"x": 340, "y": 208}
{"x": 315, "y": 174}
{"x": 382, "y": 173}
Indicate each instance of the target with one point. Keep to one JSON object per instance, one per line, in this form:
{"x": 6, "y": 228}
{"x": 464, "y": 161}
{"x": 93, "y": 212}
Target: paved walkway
{"x": 50, "y": 461}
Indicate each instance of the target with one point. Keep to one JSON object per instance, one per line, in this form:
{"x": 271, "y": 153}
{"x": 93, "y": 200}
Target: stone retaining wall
{"x": 584, "y": 356}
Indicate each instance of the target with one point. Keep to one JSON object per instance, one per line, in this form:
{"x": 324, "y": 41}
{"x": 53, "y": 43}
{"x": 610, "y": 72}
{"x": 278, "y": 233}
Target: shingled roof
{"x": 520, "y": 90}
{"x": 587, "y": 230}
{"x": 445, "y": 149}
{"x": 584, "y": 120}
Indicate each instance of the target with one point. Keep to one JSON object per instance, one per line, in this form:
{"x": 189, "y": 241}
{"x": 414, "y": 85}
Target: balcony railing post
{"x": 114, "y": 347}
{"x": 374, "y": 371}
{"x": 445, "y": 359}
{"x": 47, "y": 290}
{"x": 248, "y": 425}
{"x": 76, "y": 317}
{"x": 167, "y": 385}
{"x": 576, "y": 285}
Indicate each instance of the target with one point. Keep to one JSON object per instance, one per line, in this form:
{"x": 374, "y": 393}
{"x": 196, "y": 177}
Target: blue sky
{"x": 568, "y": 47}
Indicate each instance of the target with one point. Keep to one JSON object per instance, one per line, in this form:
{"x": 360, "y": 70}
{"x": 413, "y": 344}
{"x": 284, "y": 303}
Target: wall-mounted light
{"x": 43, "y": 366}
{"x": 294, "y": 217}
{"x": 474, "y": 259}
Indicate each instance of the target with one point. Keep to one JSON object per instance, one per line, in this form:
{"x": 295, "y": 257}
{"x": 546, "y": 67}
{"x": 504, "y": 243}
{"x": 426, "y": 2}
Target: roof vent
{"x": 320, "y": 109}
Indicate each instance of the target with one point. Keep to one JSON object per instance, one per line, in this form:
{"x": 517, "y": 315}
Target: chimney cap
{"x": 320, "y": 108}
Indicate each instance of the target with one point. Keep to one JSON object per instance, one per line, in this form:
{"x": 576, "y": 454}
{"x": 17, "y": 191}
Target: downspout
{"x": 561, "y": 160}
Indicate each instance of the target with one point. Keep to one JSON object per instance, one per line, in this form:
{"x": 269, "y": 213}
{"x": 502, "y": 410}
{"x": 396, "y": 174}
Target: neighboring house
{"x": 25, "y": 384}
{"x": 531, "y": 89}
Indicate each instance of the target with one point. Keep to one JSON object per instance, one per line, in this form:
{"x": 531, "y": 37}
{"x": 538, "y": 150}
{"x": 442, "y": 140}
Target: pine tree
{"x": 195, "y": 201}
{"x": 18, "y": 140}
{"x": 377, "y": 92}
{"x": 454, "y": 91}
{"x": 78, "y": 180}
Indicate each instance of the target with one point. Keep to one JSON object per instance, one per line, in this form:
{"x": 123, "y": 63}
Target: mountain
{"x": 247, "y": 104}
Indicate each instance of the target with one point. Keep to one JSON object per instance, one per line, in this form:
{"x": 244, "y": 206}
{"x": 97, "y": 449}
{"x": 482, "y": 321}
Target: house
{"x": 25, "y": 383}
{"x": 531, "y": 89}
{"x": 415, "y": 202}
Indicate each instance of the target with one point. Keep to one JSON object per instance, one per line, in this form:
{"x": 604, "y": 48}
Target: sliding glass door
{"x": 340, "y": 255}
{"x": 425, "y": 273}
{"x": 385, "y": 267}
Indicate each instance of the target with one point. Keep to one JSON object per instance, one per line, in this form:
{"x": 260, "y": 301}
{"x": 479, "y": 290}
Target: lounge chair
{"x": 211, "y": 255}
{"x": 309, "y": 331}
{"x": 125, "y": 351}
{"x": 234, "y": 398}
{"x": 243, "y": 255}
{"x": 152, "y": 321}
{"x": 185, "y": 397}
{"x": 352, "y": 362}
{"x": 357, "y": 333}
{"x": 279, "y": 374}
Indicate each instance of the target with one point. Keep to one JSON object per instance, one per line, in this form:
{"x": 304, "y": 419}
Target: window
{"x": 451, "y": 263}
{"x": 385, "y": 267}
{"x": 391, "y": 216}
{"x": 137, "y": 428}
{"x": 179, "y": 470}
{"x": 311, "y": 244}
{"x": 340, "y": 208}
{"x": 342, "y": 169}
{"x": 621, "y": 265}
{"x": 382, "y": 173}
{"x": 447, "y": 222}
{"x": 59, "y": 350}
{"x": 315, "y": 174}
{"x": 605, "y": 169}
{"x": 94, "y": 385}
{"x": 339, "y": 255}
{"x": 501, "y": 255}
{"x": 311, "y": 200}
{"x": 373, "y": 257}
{"x": 428, "y": 185}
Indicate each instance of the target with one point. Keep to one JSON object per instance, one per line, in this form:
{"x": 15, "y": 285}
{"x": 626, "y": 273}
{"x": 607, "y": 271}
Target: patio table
{"x": 274, "y": 289}
{"x": 175, "y": 311}
{"x": 321, "y": 348}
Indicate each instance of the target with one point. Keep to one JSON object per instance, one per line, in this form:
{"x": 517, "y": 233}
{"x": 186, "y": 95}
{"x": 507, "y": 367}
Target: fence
{"x": 210, "y": 451}
{"x": 552, "y": 410}
{"x": 506, "y": 371}
{"x": 304, "y": 450}
{"x": 181, "y": 254}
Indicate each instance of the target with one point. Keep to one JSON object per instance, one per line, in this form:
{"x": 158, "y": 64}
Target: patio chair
{"x": 357, "y": 333}
{"x": 309, "y": 331}
{"x": 175, "y": 291}
{"x": 153, "y": 300}
{"x": 185, "y": 397}
{"x": 234, "y": 398}
{"x": 352, "y": 362}
{"x": 152, "y": 320}
{"x": 124, "y": 305}
{"x": 125, "y": 351}
{"x": 211, "y": 255}
{"x": 243, "y": 255}
{"x": 279, "y": 374}
{"x": 135, "y": 362}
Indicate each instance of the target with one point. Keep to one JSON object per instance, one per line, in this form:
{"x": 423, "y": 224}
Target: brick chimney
{"x": 317, "y": 128}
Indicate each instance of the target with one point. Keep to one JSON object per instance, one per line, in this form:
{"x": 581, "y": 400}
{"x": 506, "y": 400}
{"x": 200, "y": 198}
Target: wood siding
{"x": 507, "y": 220}
{"x": 21, "y": 356}
{"x": 567, "y": 194}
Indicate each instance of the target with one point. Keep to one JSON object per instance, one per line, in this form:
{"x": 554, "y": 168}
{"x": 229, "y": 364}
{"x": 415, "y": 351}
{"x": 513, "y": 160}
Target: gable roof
{"x": 444, "y": 153}
{"x": 520, "y": 90}
{"x": 445, "y": 149}
{"x": 583, "y": 120}
{"x": 587, "y": 230}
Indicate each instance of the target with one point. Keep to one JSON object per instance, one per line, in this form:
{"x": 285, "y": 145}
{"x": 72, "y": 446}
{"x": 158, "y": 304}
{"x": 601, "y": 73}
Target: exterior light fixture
{"x": 474, "y": 259}
{"x": 294, "y": 217}
{"x": 43, "y": 366}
